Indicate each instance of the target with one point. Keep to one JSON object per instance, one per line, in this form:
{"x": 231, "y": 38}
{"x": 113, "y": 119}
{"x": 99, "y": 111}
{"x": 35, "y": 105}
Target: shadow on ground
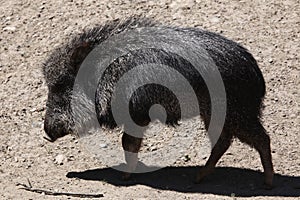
{"x": 224, "y": 181}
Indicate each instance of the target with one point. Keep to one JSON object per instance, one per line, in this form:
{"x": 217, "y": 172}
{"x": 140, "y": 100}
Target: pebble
{"x": 103, "y": 145}
{"x": 37, "y": 124}
{"x": 59, "y": 159}
{"x": 33, "y": 110}
{"x": 153, "y": 148}
{"x": 214, "y": 19}
{"x": 293, "y": 116}
{"x": 9, "y": 28}
{"x": 186, "y": 158}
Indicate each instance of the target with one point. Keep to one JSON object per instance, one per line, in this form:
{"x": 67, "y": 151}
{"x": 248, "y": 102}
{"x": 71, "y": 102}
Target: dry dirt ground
{"x": 30, "y": 29}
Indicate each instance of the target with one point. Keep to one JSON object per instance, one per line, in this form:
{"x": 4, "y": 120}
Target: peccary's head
{"x": 60, "y": 71}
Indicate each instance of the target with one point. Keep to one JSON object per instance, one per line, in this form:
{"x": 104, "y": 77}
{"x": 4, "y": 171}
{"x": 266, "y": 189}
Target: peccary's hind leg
{"x": 218, "y": 150}
{"x": 131, "y": 146}
{"x": 258, "y": 138}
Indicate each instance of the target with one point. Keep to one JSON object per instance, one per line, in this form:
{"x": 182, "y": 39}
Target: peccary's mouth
{"x": 49, "y": 139}
{"x": 54, "y": 129}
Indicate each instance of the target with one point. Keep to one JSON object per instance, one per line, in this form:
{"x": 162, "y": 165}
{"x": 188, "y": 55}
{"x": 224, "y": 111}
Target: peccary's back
{"x": 243, "y": 80}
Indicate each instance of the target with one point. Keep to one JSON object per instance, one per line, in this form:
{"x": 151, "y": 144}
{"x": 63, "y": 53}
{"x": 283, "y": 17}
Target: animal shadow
{"x": 224, "y": 181}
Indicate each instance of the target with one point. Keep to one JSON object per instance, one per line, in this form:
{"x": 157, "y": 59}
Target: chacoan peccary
{"x": 243, "y": 81}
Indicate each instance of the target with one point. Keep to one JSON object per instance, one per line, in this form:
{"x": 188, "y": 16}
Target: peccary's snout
{"x": 55, "y": 126}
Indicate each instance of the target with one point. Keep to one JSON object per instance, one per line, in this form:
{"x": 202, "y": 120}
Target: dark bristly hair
{"x": 243, "y": 81}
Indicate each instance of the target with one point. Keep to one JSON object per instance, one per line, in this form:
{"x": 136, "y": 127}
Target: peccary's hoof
{"x": 202, "y": 174}
{"x": 197, "y": 181}
{"x": 268, "y": 183}
{"x": 126, "y": 176}
{"x": 268, "y": 186}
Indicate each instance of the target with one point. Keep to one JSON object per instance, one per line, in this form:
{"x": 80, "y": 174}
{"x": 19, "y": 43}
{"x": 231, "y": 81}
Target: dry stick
{"x": 47, "y": 192}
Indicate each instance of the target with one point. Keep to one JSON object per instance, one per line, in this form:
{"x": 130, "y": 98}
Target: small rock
{"x": 59, "y": 159}
{"x": 33, "y": 110}
{"x": 103, "y": 145}
{"x": 37, "y": 124}
{"x": 71, "y": 158}
{"x": 153, "y": 148}
{"x": 214, "y": 19}
{"x": 186, "y": 158}
{"x": 178, "y": 4}
{"x": 9, "y": 28}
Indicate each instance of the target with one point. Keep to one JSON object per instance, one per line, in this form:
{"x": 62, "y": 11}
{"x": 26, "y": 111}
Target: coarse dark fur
{"x": 243, "y": 80}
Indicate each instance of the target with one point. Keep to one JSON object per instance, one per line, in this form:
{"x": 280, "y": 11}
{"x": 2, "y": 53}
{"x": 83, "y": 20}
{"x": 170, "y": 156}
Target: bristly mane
{"x": 68, "y": 57}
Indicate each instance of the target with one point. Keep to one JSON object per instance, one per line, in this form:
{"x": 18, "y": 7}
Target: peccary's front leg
{"x": 131, "y": 146}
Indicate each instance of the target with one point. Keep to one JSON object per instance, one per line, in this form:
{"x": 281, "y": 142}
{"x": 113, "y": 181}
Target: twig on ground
{"x": 48, "y": 192}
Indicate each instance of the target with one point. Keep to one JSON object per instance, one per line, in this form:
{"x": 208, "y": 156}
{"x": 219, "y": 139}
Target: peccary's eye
{"x": 63, "y": 84}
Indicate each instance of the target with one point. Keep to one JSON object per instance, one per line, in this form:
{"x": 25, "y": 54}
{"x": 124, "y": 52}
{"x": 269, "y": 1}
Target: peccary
{"x": 243, "y": 81}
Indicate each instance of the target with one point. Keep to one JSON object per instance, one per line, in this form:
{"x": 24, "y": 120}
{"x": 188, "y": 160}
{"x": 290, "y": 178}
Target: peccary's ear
{"x": 80, "y": 53}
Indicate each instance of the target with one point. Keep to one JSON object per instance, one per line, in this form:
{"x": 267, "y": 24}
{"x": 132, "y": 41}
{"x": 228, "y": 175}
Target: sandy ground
{"x": 31, "y": 29}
